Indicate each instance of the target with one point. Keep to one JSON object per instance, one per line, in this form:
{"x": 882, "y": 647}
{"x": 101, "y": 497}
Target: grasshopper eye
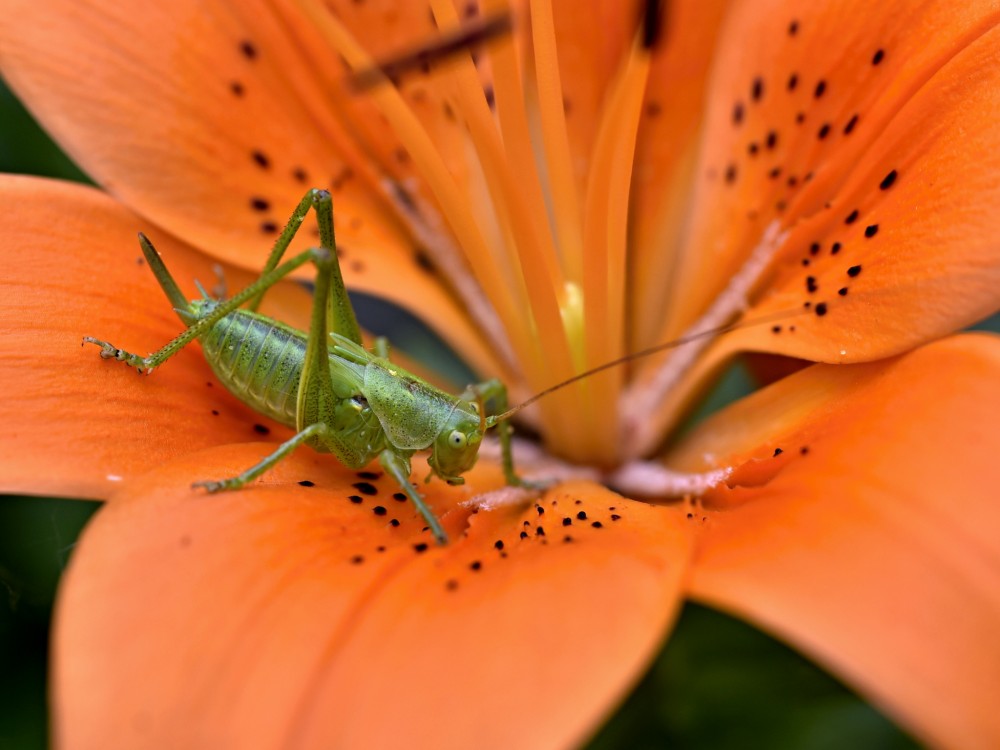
{"x": 475, "y": 406}
{"x": 457, "y": 439}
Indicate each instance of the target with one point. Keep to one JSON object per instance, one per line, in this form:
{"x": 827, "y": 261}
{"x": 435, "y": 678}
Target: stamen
{"x": 607, "y": 204}
{"x": 606, "y": 234}
{"x": 559, "y": 163}
{"x": 524, "y": 232}
{"x": 432, "y": 167}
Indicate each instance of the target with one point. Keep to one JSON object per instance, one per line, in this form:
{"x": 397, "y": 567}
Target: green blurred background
{"x": 719, "y": 683}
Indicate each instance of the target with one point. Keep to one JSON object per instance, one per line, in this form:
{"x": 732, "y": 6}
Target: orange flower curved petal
{"x": 904, "y": 250}
{"x": 77, "y": 425}
{"x": 808, "y": 116}
{"x": 231, "y": 125}
{"x": 869, "y": 540}
{"x": 914, "y": 225}
{"x": 308, "y": 619}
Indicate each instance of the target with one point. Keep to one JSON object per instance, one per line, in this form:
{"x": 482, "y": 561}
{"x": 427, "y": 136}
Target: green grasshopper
{"x": 340, "y": 397}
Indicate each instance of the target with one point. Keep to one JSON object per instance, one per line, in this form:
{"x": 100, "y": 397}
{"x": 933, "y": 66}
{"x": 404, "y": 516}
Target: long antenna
{"x": 645, "y": 353}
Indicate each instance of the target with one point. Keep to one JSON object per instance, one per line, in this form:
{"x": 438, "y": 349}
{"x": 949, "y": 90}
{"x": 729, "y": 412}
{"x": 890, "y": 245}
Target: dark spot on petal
{"x": 793, "y": 28}
{"x": 731, "y": 173}
{"x": 475, "y": 565}
{"x": 842, "y": 291}
{"x": 355, "y": 499}
{"x": 772, "y": 139}
{"x": 357, "y": 559}
{"x": 811, "y": 284}
{"x": 774, "y": 173}
{"x": 268, "y": 227}
{"x": 737, "y": 113}
{"x": 793, "y": 81}
{"x": 540, "y": 531}
{"x": 777, "y": 452}
{"x": 248, "y": 49}
{"x": 615, "y": 517}
{"x": 821, "y": 309}
{"x": 306, "y": 483}
{"x": 804, "y": 450}
{"x": 800, "y": 117}
{"x": 851, "y": 217}
{"x": 850, "y": 125}
{"x": 378, "y": 510}
{"x": 215, "y": 412}
{"x": 394, "y": 522}
{"x": 237, "y": 88}
{"x": 871, "y": 230}
{"x": 853, "y": 271}
{"x": 260, "y": 159}
{"x": 498, "y": 544}
{"x": 400, "y": 496}
{"x": 835, "y": 248}
{"x": 300, "y": 174}
{"x": 582, "y": 515}
{"x": 261, "y": 429}
{"x": 753, "y": 148}
{"x": 775, "y": 329}
{"x": 260, "y": 204}
{"x": 757, "y": 89}
{"x": 420, "y": 547}
{"x": 888, "y": 180}
{"x": 878, "y": 57}
{"x": 368, "y": 474}
{"x": 567, "y": 521}
{"x": 451, "y": 584}
{"x": 823, "y": 131}
{"x": 820, "y": 89}
{"x": 567, "y": 539}
{"x": 365, "y": 488}
{"x": 540, "y": 510}
{"x": 524, "y": 534}
{"x": 814, "y": 248}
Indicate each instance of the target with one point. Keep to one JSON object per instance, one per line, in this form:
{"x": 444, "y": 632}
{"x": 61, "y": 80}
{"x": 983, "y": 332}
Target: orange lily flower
{"x": 594, "y": 186}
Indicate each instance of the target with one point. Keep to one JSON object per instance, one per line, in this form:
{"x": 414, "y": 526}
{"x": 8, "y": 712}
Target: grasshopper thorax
{"x": 456, "y": 447}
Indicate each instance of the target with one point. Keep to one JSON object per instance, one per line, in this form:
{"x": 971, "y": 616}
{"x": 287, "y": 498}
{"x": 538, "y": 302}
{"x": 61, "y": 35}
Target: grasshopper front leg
{"x": 397, "y": 465}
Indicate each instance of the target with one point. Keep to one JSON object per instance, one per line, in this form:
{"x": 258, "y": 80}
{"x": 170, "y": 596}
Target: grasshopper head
{"x": 456, "y": 446}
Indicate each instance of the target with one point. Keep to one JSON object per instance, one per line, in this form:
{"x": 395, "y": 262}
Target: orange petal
{"x": 77, "y": 425}
{"x": 206, "y": 119}
{"x": 904, "y": 250}
{"x": 875, "y": 550}
{"x": 813, "y": 106}
{"x": 294, "y": 617}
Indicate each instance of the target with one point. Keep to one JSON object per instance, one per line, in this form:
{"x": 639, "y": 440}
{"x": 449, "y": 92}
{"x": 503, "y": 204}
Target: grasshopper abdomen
{"x": 259, "y": 360}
